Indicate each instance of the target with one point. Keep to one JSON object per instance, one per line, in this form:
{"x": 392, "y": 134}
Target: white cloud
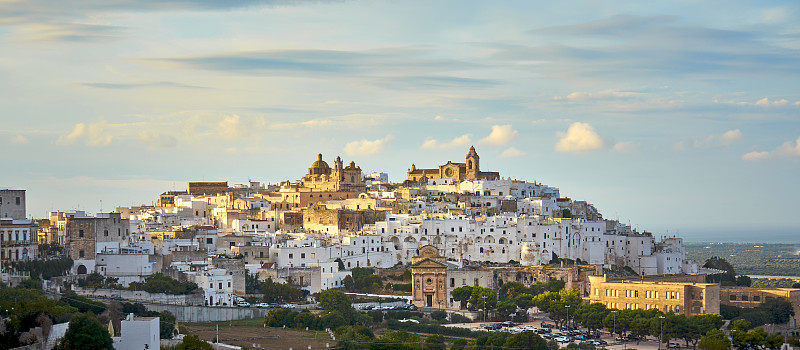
{"x": 156, "y": 140}
{"x": 512, "y": 152}
{"x": 93, "y": 134}
{"x": 366, "y": 147}
{"x": 600, "y": 95}
{"x": 755, "y": 155}
{"x": 625, "y": 147}
{"x": 787, "y": 149}
{"x": 461, "y": 141}
{"x": 580, "y": 137}
{"x": 731, "y": 136}
{"x": 20, "y": 139}
{"x": 766, "y": 102}
{"x": 501, "y": 135}
{"x": 711, "y": 141}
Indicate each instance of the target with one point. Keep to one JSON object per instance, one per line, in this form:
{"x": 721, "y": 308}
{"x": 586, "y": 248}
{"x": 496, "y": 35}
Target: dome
{"x": 320, "y": 163}
{"x": 320, "y": 167}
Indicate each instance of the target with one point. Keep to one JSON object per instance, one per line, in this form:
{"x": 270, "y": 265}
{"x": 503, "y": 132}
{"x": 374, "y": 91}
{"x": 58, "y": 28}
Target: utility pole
{"x": 615, "y": 322}
{"x": 484, "y": 310}
{"x": 567, "y": 307}
{"x": 662, "y": 332}
{"x": 217, "y": 339}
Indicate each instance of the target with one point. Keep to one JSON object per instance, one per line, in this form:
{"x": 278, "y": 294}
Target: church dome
{"x": 320, "y": 167}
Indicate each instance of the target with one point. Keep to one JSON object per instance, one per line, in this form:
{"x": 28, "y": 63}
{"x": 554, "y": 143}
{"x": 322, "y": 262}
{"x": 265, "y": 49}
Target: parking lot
{"x": 604, "y": 339}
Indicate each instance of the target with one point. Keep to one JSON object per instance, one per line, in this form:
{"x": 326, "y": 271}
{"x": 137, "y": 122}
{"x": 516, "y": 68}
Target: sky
{"x": 678, "y": 117}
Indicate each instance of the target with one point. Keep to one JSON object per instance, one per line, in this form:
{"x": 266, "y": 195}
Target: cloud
{"x": 731, "y": 136}
{"x": 21, "y": 139}
{"x": 501, "y": 135}
{"x": 625, "y": 147}
{"x": 94, "y": 134}
{"x": 601, "y": 95}
{"x": 157, "y": 140}
{"x": 711, "y": 141}
{"x": 123, "y": 86}
{"x": 580, "y": 137}
{"x": 755, "y": 155}
{"x": 512, "y": 152}
{"x": 461, "y": 141}
{"x": 763, "y": 103}
{"x": 366, "y": 147}
{"x": 787, "y": 149}
{"x": 73, "y": 32}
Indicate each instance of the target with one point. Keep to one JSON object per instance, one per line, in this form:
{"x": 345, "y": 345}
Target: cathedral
{"x": 469, "y": 170}
{"x": 321, "y": 177}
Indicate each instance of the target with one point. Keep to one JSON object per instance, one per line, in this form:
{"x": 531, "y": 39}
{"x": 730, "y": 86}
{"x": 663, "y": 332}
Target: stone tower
{"x": 473, "y": 164}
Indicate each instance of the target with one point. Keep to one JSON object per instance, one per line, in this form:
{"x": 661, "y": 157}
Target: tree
{"x": 743, "y": 281}
{"x": 715, "y": 339}
{"x": 552, "y": 345}
{"x": 525, "y": 340}
{"x": 459, "y": 344}
{"x": 718, "y": 263}
{"x": 511, "y": 290}
{"x": 280, "y": 292}
{"x": 435, "y": 342}
{"x": 166, "y": 324}
{"x": 335, "y": 300}
{"x": 85, "y": 333}
{"x": 482, "y": 298}
{"x": 779, "y": 310}
{"x": 462, "y": 294}
{"x": 591, "y": 315}
{"x": 192, "y": 342}
{"x": 348, "y": 282}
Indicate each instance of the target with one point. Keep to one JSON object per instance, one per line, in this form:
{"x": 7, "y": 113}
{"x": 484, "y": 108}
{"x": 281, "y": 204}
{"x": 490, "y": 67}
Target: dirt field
{"x": 252, "y": 334}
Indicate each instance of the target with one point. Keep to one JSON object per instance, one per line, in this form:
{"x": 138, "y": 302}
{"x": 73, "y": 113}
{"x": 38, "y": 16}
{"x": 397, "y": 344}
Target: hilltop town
{"x": 451, "y": 226}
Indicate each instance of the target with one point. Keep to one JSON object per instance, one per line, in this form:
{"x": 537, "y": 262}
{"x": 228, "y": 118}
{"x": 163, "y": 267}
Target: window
{"x": 229, "y": 284}
{"x": 302, "y": 255}
{"x": 291, "y": 256}
{"x": 733, "y": 297}
{"x": 220, "y": 285}
{"x": 105, "y": 233}
{"x": 429, "y": 281}
{"x": 80, "y": 233}
{"x": 209, "y": 241}
{"x": 452, "y": 282}
{"x": 211, "y": 286}
{"x": 18, "y": 200}
{"x": 476, "y": 282}
{"x": 80, "y": 253}
{"x": 744, "y": 298}
{"x": 756, "y": 298}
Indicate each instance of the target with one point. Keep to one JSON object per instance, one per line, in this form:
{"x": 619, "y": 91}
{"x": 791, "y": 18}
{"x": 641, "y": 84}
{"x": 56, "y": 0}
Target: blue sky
{"x": 675, "y": 116}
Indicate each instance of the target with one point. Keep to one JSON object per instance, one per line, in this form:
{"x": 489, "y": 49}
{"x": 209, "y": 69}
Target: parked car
{"x": 288, "y": 306}
{"x": 543, "y": 331}
{"x": 581, "y": 337}
{"x": 674, "y": 346}
{"x": 262, "y": 305}
{"x": 599, "y": 342}
{"x": 547, "y": 325}
{"x": 563, "y": 339}
{"x": 507, "y": 324}
{"x": 493, "y": 326}
{"x": 116, "y": 297}
{"x": 243, "y": 304}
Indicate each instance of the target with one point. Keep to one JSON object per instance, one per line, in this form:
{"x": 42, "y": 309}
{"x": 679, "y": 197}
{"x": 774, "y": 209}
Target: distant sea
{"x": 742, "y": 235}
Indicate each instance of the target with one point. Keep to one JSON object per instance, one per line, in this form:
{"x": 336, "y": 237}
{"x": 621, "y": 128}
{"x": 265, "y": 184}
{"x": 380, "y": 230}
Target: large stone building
{"x": 428, "y": 277}
{"x": 12, "y": 204}
{"x": 469, "y": 170}
{"x": 686, "y": 294}
{"x": 208, "y": 188}
{"x": 752, "y": 297}
{"x": 322, "y": 177}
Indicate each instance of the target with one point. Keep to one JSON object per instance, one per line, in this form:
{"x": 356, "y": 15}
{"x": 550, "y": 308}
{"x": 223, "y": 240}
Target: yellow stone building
{"x": 752, "y": 297}
{"x": 686, "y": 294}
{"x": 428, "y": 275}
{"x": 469, "y": 170}
{"x": 321, "y": 177}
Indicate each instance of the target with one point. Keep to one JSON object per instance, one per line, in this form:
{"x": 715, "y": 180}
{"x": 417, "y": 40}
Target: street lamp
{"x": 484, "y": 309}
{"x": 615, "y": 322}
{"x": 567, "y": 307}
{"x": 662, "y": 332}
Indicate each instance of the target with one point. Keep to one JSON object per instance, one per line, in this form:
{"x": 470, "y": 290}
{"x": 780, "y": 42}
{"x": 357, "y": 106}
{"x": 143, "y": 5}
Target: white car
{"x": 262, "y": 305}
{"x": 563, "y": 339}
{"x": 288, "y": 306}
{"x": 243, "y": 304}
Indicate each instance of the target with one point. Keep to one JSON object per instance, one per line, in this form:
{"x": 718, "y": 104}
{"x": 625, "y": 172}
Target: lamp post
{"x": 615, "y": 322}
{"x": 662, "y": 332}
{"x": 567, "y": 307}
{"x": 484, "y": 309}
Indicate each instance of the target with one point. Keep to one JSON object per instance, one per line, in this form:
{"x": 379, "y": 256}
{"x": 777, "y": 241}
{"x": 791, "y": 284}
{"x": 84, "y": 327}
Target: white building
{"x": 217, "y": 285}
{"x": 137, "y": 333}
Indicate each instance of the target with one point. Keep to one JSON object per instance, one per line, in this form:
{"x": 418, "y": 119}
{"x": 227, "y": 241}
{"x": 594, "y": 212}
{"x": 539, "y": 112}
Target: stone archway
{"x": 81, "y": 269}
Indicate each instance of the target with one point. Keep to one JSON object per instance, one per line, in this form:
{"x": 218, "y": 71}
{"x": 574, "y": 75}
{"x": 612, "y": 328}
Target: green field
{"x": 750, "y": 259}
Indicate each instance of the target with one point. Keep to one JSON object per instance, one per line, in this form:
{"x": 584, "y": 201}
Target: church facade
{"x": 469, "y": 170}
{"x": 321, "y": 177}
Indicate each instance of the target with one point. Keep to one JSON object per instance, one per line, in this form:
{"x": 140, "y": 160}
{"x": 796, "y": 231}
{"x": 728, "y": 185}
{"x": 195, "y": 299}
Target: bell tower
{"x": 473, "y": 164}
